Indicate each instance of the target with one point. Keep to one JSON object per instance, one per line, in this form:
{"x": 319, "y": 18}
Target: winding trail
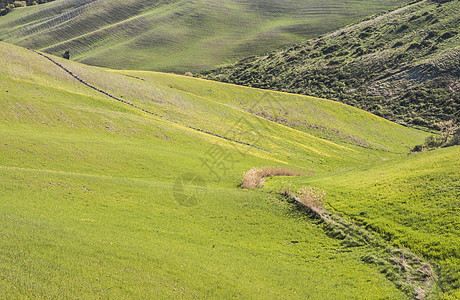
{"x": 142, "y": 109}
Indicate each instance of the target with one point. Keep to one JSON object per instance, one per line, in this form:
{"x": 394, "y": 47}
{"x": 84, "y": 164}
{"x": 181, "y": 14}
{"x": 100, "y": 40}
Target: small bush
{"x": 455, "y": 138}
{"x": 434, "y": 141}
{"x": 419, "y": 148}
{"x": 402, "y": 28}
{"x": 448, "y": 129}
{"x": 447, "y": 35}
{"x": 19, "y": 3}
{"x": 414, "y": 46}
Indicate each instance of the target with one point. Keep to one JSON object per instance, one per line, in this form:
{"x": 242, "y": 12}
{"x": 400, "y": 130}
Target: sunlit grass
{"x": 92, "y": 190}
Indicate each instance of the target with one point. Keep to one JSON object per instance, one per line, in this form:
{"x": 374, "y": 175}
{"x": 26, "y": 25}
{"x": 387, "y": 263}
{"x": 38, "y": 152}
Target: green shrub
{"x": 455, "y": 138}
{"x": 419, "y": 148}
{"x": 449, "y": 136}
{"x": 19, "y": 4}
{"x": 8, "y": 5}
{"x": 434, "y": 141}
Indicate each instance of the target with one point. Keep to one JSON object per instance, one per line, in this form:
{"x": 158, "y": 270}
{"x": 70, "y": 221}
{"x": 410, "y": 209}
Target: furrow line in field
{"x": 417, "y": 275}
{"x": 142, "y": 109}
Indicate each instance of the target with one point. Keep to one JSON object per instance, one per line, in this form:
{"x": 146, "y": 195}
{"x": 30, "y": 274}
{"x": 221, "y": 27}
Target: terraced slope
{"x": 101, "y": 199}
{"x": 403, "y": 65}
{"x": 177, "y": 35}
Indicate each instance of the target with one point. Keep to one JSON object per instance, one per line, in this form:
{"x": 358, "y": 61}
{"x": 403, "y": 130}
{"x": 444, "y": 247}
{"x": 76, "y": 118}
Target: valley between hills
{"x": 118, "y": 181}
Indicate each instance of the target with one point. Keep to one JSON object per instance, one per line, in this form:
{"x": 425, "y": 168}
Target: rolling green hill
{"x": 124, "y": 184}
{"x": 177, "y": 35}
{"x": 403, "y": 65}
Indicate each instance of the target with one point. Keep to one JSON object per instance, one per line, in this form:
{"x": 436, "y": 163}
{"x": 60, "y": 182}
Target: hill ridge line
{"x": 366, "y": 22}
{"x": 324, "y": 139}
{"x": 142, "y": 109}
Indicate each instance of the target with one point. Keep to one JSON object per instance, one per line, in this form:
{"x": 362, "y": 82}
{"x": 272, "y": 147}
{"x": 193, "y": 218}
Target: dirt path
{"x": 142, "y": 109}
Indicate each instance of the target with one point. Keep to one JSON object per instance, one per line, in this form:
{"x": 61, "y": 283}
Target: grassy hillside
{"x": 413, "y": 202}
{"x": 319, "y": 117}
{"x": 102, "y": 199}
{"x": 178, "y": 35}
{"x": 402, "y": 65}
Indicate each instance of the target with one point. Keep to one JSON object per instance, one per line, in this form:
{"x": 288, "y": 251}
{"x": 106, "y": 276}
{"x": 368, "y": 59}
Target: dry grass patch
{"x": 310, "y": 197}
{"x": 254, "y": 178}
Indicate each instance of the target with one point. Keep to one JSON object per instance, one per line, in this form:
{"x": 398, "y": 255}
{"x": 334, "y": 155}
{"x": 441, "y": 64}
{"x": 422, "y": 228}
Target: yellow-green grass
{"x": 73, "y": 235}
{"x": 176, "y": 36}
{"x": 412, "y": 201}
{"x": 319, "y": 117}
{"x": 209, "y": 111}
{"x": 89, "y": 201}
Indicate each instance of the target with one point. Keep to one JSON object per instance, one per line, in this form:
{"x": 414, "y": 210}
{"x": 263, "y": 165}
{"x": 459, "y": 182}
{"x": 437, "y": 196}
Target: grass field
{"x": 176, "y": 36}
{"x": 100, "y": 199}
{"x": 413, "y": 202}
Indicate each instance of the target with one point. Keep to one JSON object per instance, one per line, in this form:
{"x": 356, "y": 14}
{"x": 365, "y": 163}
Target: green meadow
{"x": 176, "y": 36}
{"x": 411, "y": 201}
{"x": 99, "y": 199}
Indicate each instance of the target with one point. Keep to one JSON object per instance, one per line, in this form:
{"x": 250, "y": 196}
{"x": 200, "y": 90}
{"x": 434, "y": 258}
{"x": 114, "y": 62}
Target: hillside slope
{"x": 124, "y": 184}
{"x": 177, "y": 35}
{"x": 404, "y": 65}
{"x": 102, "y": 199}
{"x": 322, "y": 118}
{"x": 412, "y": 201}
